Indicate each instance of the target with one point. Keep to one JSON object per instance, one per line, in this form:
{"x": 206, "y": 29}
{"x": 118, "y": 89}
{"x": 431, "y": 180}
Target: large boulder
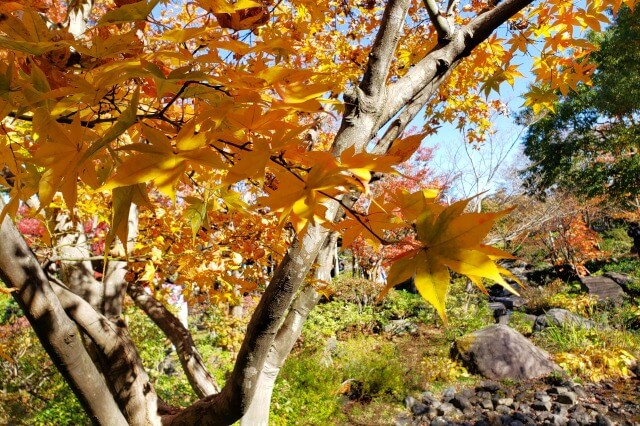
{"x": 561, "y": 318}
{"x": 500, "y": 352}
{"x": 604, "y": 288}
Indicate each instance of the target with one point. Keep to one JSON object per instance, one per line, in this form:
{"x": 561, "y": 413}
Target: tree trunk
{"x": 258, "y": 413}
{"x": 59, "y": 336}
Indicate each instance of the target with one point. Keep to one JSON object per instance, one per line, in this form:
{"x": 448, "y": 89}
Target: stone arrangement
{"x": 527, "y": 403}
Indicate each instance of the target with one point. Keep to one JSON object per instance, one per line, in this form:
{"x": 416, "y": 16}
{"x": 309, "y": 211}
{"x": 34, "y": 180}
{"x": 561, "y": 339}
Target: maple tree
{"x": 216, "y": 112}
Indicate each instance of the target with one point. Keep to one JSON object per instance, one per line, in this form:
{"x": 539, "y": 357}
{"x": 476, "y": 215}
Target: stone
{"x": 559, "y": 318}
{"x": 500, "y": 352}
{"x": 602, "y": 420}
{"x": 449, "y": 392}
{"x": 510, "y": 302}
{"x": 445, "y": 408}
{"x": 400, "y": 327}
{"x": 504, "y": 401}
{"x": 488, "y": 386}
{"x": 603, "y": 288}
{"x": 579, "y": 390}
{"x": 541, "y": 405}
{"x": 418, "y": 408}
{"x": 429, "y": 399}
{"x": 498, "y": 309}
{"x": 555, "y": 390}
{"x": 567, "y": 397}
{"x": 432, "y": 413}
{"x": 544, "y": 415}
{"x": 503, "y": 409}
{"x": 469, "y": 413}
{"x": 558, "y": 420}
{"x": 542, "y": 396}
{"x": 623, "y": 280}
{"x": 461, "y": 402}
{"x": 403, "y": 420}
{"x": 409, "y": 402}
{"x": 486, "y": 404}
{"x": 439, "y": 421}
{"x": 560, "y": 409}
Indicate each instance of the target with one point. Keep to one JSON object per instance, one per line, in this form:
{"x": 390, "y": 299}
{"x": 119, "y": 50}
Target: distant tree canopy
{"x": 589, "y": 146}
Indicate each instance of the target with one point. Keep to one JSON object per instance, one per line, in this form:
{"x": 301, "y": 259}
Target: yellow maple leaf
{"x": 449, "y": 240}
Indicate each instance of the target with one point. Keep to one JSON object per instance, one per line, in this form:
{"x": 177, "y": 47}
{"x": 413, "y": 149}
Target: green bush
{"x": 306, "y": 392}
{"x": 616, "y": 242}
{"x": 375, "y": 365}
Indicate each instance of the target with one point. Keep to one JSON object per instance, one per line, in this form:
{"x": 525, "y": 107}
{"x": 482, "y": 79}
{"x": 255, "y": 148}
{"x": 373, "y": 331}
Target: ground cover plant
{"x": 214, "y": 153}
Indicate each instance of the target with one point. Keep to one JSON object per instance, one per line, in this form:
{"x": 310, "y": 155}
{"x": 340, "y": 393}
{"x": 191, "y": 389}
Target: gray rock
{"x": 503, "y": 409}
{"x": 449, "y": 392}
{"x": 498, "y": 309}
{"x": 603, "y": 288}
{"x": 439, "y": 421}
{"x": 567, "y": 397}
{"x": 400, "y": 327}
{"x": 429, "y": 399}
{"x": 521, "y": 416}
{"x": 499, "y": 352}
{"x": 409, "y": 402}
{"x": 403, "y": 420}
{"x": 418, "y": 408}
{"x": 469, "y": 413}
{"x": 623, "y": 280}
{"x": 510, "y": 302}
{"x": 558, "y": 420}
{"x": 555, "y": 390}
{"x": 541, "y": 405}
{"x": 461, "y": 402}
{"x": 488, "y": 386}
{"x": 560, "y": 318}
{"x": 432, "y": 413}
{"x": 544, "y": 415}
{"x": 602, "y": 420}
{"x": 445, "y": 408}
{"x": 542, "y": 396}
{"x": 560, "y": 409}
{"x": 486, "y": 404}
{"x": 579, "y": 390}
{"x": 504, "y": 401}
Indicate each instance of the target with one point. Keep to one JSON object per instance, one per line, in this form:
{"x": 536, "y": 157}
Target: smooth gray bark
{"x": 289, "y": 332}
{"x": 20, "y": 270}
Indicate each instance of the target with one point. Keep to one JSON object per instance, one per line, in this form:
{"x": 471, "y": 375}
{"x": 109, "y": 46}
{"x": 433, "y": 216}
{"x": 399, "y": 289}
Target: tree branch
{"x": 202, "y": 383}
{"x": 384, "y": 48}
{"x": 445, "y": 58}
{"x": 443, "y": 26}
{"x": 121, "y": 362}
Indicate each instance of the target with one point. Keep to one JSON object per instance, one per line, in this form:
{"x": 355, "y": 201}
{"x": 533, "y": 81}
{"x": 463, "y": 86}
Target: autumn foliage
{"x": 246, "y": 133}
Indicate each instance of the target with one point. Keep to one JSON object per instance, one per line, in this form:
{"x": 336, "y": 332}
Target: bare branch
{"x": 201, "y": 381}
{"x": 443, "y": 26}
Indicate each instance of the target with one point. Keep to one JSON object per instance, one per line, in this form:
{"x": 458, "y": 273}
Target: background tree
{"x": 207, "y": 110}
{"x": 589, "y": 146}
